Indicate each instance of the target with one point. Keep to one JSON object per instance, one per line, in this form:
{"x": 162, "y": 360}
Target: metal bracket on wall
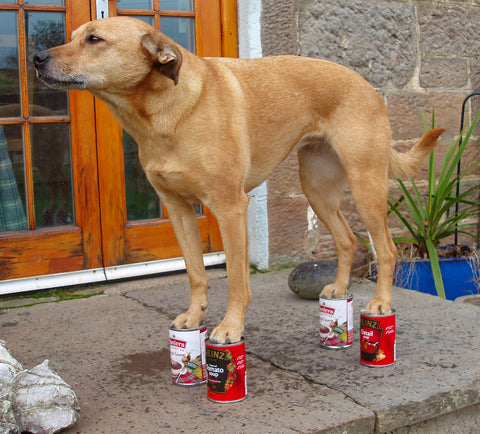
{"x": 462, "y": 121}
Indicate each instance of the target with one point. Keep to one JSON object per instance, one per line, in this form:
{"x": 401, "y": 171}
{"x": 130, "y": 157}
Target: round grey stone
{"x": 308, "y": 279}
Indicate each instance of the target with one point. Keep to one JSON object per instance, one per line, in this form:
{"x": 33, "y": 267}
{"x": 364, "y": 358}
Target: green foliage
{"x": 431, "y": 217}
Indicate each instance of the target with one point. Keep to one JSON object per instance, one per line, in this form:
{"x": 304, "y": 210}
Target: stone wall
{"x": 419, "y": 55}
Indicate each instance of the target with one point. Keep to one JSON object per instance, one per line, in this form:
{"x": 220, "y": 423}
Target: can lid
{"x": 347, "y": 297}
{"x": 363, "y": 312}
{"x": 201, "y": 328}
{"x": 232, "y": 344}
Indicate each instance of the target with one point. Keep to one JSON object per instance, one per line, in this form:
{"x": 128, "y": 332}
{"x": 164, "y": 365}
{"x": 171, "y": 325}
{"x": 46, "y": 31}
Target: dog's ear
{"x": 165, "y": 54}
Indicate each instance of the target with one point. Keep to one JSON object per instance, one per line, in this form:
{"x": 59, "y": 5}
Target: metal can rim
{"x": 347, "y": 297}
{"x": 200, "y": 328}
{"x": 363, "y": 312}
{"x": 232, "y": 344}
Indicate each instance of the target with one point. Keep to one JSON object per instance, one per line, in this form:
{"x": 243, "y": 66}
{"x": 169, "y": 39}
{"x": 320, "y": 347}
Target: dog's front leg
{"x": 232, "y": 219}
{"x": 185, "y": 226}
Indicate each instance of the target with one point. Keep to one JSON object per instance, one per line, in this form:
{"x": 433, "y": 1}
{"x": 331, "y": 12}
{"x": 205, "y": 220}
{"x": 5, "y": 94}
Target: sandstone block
{"x": 279, "y": 34}
{"x": 376, "y": 39}
{"x": 405, "y": 111}
{"x": 445, "y": 29}
{"x": 444, "y": 73}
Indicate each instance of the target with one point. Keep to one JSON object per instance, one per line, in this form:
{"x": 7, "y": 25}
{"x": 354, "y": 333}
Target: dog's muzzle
{"x": 40, "y": 58}
{"x": 53, "y": 77}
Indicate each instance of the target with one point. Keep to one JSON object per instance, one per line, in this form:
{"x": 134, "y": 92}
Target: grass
{"x": 47, "y": 296}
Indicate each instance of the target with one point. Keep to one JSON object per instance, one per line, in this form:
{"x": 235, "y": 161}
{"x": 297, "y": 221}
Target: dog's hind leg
{"x": 369, "y": 186}
{"x": 184, "y": 222}
{"x": 323, "y": 181}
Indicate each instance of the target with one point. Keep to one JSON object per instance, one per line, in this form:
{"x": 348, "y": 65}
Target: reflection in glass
{"x": 135, "y": 4}
{"x": 142, "y": 200}
{"x": 9, "y": 70}
{"x": 44, "y": 30}
{"x": 180, "y": 29}
{"x": 147, "y": 18}
{"x": 52, "y": 174}
{"x": 12, "y": 179}
{"x": 165, "y": 5}
{"x": 176, "y": 5}
{"x": 45, "y": 2}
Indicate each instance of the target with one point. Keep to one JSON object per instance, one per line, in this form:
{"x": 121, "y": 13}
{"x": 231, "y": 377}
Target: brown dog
{"x": 211, "y": 129}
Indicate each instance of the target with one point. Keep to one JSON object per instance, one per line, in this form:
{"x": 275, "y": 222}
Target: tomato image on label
{"x": 226, "y": 369}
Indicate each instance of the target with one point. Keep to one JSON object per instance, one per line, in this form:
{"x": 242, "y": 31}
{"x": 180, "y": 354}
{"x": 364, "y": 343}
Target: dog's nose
{"x": 40, "y": 58}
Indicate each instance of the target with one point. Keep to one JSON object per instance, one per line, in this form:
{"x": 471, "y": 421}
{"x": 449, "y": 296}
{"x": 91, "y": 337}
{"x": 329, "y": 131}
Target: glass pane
{"x": 52, "y": 174}
{"x": 9, "y": 70}
{"x": 147, "y": 18}
{"x": 9, "y": 2}
{"x": 135, "y": 4}
{"x": 142, "y": 200}
{"x": 12, "y": 184}
{"x": 44, "y": 30}
{"x": 181, "y": 30}
{"x": 45, "y": 2}
{"x": 176, "y": 5}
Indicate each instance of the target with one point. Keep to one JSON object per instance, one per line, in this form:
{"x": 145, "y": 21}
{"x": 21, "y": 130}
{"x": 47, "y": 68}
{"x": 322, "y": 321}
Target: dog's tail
{"x": 406, "y": 164}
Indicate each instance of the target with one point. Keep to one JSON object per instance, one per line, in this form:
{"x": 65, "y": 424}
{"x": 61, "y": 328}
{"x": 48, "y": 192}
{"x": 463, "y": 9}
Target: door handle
{"x": 102, "y": 9}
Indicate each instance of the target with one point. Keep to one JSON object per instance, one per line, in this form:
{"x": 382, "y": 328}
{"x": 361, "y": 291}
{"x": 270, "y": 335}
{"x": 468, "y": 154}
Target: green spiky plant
{"x": 432, "y": 217}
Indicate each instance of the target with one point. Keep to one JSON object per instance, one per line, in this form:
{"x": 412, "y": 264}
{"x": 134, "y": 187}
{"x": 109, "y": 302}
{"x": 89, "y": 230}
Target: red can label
{"x": 377, "y": 339}
{"x": 187, "y": 356}
{"x": 226, "y": 371}
{"x": 336, "y": 322}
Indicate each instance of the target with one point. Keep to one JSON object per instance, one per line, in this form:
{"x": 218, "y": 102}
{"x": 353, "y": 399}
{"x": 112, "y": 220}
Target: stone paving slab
{"x": 114, "y": 353}
{"x": 438, "y": 350}
{"x": 113, "y": 350}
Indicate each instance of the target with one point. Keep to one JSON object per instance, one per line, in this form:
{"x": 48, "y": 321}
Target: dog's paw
{"x": 333, "y": 291}
{"x": 225, "y": 334}
{"x": 378, "y": 307}
{"x": 187, "y": 321}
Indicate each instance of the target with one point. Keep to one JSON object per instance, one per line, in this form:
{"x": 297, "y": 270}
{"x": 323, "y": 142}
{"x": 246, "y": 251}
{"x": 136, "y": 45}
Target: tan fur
{"x": 211, "y": 129}
{"x": 407, "y": 164}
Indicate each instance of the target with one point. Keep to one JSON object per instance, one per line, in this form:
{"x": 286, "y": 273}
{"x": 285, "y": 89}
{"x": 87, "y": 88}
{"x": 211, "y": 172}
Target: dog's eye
{"x": 92, "y": 39}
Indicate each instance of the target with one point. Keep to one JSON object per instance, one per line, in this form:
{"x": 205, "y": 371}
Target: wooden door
{"x": 49, "y": 215}
{"x": 74, "y": 196}
{"x": 135, "y": 225}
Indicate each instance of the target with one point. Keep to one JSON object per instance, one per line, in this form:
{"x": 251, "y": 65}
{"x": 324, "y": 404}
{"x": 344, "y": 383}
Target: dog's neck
{"x": 155, "y": 103}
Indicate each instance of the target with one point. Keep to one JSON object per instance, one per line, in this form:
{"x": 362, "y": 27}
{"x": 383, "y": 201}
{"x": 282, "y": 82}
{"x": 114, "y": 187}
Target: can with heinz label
{"x": 187, "y": 356}
{"x": 226, "y": 371}
{"x": 336, "y": 322}
{"x": 378, "y": 345}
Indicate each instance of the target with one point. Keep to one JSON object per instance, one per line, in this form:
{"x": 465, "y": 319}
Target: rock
{"x": 473, "y": 299}
{"x": 9, "y": 367}
{"x": 43, "y": 402}
{"x": 7, "y": 417}
{"x": 308, "y": 279}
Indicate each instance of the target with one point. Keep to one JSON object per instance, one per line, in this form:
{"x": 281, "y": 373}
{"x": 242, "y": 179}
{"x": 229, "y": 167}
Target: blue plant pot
{"x": 458, "y": 276}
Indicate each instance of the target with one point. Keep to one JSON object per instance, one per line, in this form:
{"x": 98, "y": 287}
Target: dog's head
{"x": 110, "y": 55}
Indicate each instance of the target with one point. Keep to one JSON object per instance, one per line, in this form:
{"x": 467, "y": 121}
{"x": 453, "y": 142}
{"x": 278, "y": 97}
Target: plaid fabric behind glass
{"x": 12, "y": 212}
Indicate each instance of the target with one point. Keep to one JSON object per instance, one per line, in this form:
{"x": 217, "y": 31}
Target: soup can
{"x": 226, "y": 372}
{"x": 187, "y": 356}
{"x": 336, "y": 322}
{"x": 378, "y": 345}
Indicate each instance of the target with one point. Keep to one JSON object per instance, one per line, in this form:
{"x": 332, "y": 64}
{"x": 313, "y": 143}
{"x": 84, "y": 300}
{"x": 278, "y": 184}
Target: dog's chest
{"x": 173, "y": 181}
